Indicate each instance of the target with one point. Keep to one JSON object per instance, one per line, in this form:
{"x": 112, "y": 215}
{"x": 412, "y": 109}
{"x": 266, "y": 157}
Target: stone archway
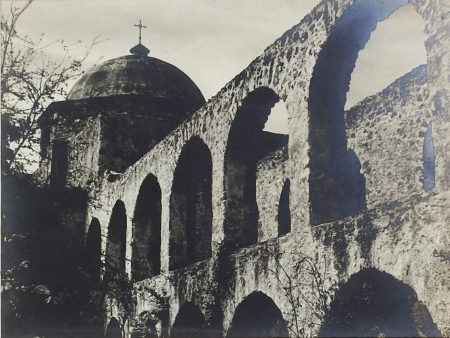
{"x": 247, "y": 144}
{"x": 191, "y": 206}
{"x": 337, "y": 188}
{"x": 374, "y": 303}
{"x": 146, "y": 257}
{"x": 116, "y": 241}
{"x": 258, "y": 316}
{"x": 189, "y": 322}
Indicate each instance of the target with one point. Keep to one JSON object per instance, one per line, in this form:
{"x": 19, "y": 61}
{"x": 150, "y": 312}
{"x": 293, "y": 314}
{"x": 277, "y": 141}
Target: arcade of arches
{"x": 353, "y": 165}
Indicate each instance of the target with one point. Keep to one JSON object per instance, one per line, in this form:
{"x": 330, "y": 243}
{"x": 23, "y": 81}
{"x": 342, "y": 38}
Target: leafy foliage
{"x": 46, "y": 288}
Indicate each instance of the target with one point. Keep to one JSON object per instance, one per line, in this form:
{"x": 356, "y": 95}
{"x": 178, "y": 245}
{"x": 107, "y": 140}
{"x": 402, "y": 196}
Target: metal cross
{"x": 140, "y": 26}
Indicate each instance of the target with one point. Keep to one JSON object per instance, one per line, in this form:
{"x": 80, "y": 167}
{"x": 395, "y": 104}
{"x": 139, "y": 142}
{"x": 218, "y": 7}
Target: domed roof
{"x": 136, "y": 74}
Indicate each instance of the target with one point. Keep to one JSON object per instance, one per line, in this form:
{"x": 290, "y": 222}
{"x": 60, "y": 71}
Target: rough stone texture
{"x": 387, "y": 133}
{"x": 403, "y": 231}
{"x": 270, "y": 177}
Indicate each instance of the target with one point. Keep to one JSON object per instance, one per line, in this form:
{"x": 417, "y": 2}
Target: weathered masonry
{"x": 221, "y": 228}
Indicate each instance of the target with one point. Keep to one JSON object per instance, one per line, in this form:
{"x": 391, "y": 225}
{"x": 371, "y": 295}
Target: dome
{"x": 136, "y": 74}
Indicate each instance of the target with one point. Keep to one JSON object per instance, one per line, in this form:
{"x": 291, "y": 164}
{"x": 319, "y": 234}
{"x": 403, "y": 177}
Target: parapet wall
{"x": 270, "y": 179}
{"x": 387, "y": 132}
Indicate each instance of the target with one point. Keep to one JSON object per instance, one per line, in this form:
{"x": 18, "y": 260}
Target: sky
{"x": 214, "y": 40}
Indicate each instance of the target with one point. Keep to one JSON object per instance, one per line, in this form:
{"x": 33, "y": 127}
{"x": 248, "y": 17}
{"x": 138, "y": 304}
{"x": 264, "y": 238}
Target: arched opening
{"x": 191, "y": 206}
{"x": 337, "y": 188}
{"x": 258, "y": 316}
{"x": 284, "y": 213}
{"x": 277, "y": 122}
{"x": 94, "y": 249}
{"x": 429, "y": 160}
{"x": 189, "y": 322}
{"x": 375, "y": 304}
{"x": 395, "y": 47}
{"x": 116, "y": 240}
{"x": 145, "y": 261}
{"x": 113, "y": 329}
{"x": 247, "y": 144}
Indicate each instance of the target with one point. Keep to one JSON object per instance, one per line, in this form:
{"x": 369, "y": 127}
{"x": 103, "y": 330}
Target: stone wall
{"x": 387, "y": 132}
{"x": 402, "y": 232}
{"x": 270, "y": 177}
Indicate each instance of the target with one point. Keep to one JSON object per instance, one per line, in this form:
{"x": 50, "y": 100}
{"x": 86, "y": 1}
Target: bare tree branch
{"x": 30, "y": 81}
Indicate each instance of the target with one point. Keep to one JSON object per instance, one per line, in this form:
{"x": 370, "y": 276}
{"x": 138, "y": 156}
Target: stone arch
{"x": 374, "y": 303}
{"x": 94, "y": 249}
{"x": 113, "y": 330}
{"x": 191, "y": 206}
{"x": 429, "y": 160}
{"x": 336, "y": 186}
{"x": 247, "y": 144}
{"x": 146, "y": 248}
{"x": 116, "y": 240}
{"x": 258, "y": 316}
{"x": 189, "y": 322}
{"x": 284, "y": 212}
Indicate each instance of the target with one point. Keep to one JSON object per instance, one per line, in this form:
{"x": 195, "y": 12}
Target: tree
{"x": 304, "y": 287}
{"x": 43, "y": 281}
{"x": 30, "y": 80}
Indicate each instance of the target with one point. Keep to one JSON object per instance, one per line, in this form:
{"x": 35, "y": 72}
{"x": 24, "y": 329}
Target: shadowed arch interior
{"x": 116, "y": 241}
{"x": 284, "y": 213}
{"x": 247, "y": 144}
{"x": 337, "y": 189}
{"x": 145, "y": 261}
{"x": 191, "y": 206}
{"x": 258, "y": 316}
{"x": 94, "y": 249}
{"x": 373, "y": 303}
{"x": 113, "y": 329}
{"x": 189, "y": 322}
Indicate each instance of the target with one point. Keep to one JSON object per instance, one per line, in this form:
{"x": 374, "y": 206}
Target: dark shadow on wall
{"x": 375, "y": 304}
{"x": 258, "y": 316}
{"x": 191, "y": 206}
{"x": 116, "y": 240}
{"x": 247, "y": 143}
{"x": 189, "y": 322}
{"x": 60, "y": 164}
{"x": 284, "y": 213}
{"x": 93, "y": 261}
{"x": 336, "y": 185}
{"x": 146, "y": 259}
{"x": 113, "y": 329}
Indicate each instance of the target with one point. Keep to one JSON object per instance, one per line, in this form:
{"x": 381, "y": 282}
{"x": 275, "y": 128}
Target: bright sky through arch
{"x": 395, "y": 47}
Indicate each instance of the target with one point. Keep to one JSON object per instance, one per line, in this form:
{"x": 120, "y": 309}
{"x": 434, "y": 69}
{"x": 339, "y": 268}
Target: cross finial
{"x": 140, "y": 26}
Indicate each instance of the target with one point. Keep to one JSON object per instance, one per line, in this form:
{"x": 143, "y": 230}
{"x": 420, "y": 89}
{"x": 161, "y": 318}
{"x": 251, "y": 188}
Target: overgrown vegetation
{"x": 303, "y": 285}
{"x": 46, "y": 289}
